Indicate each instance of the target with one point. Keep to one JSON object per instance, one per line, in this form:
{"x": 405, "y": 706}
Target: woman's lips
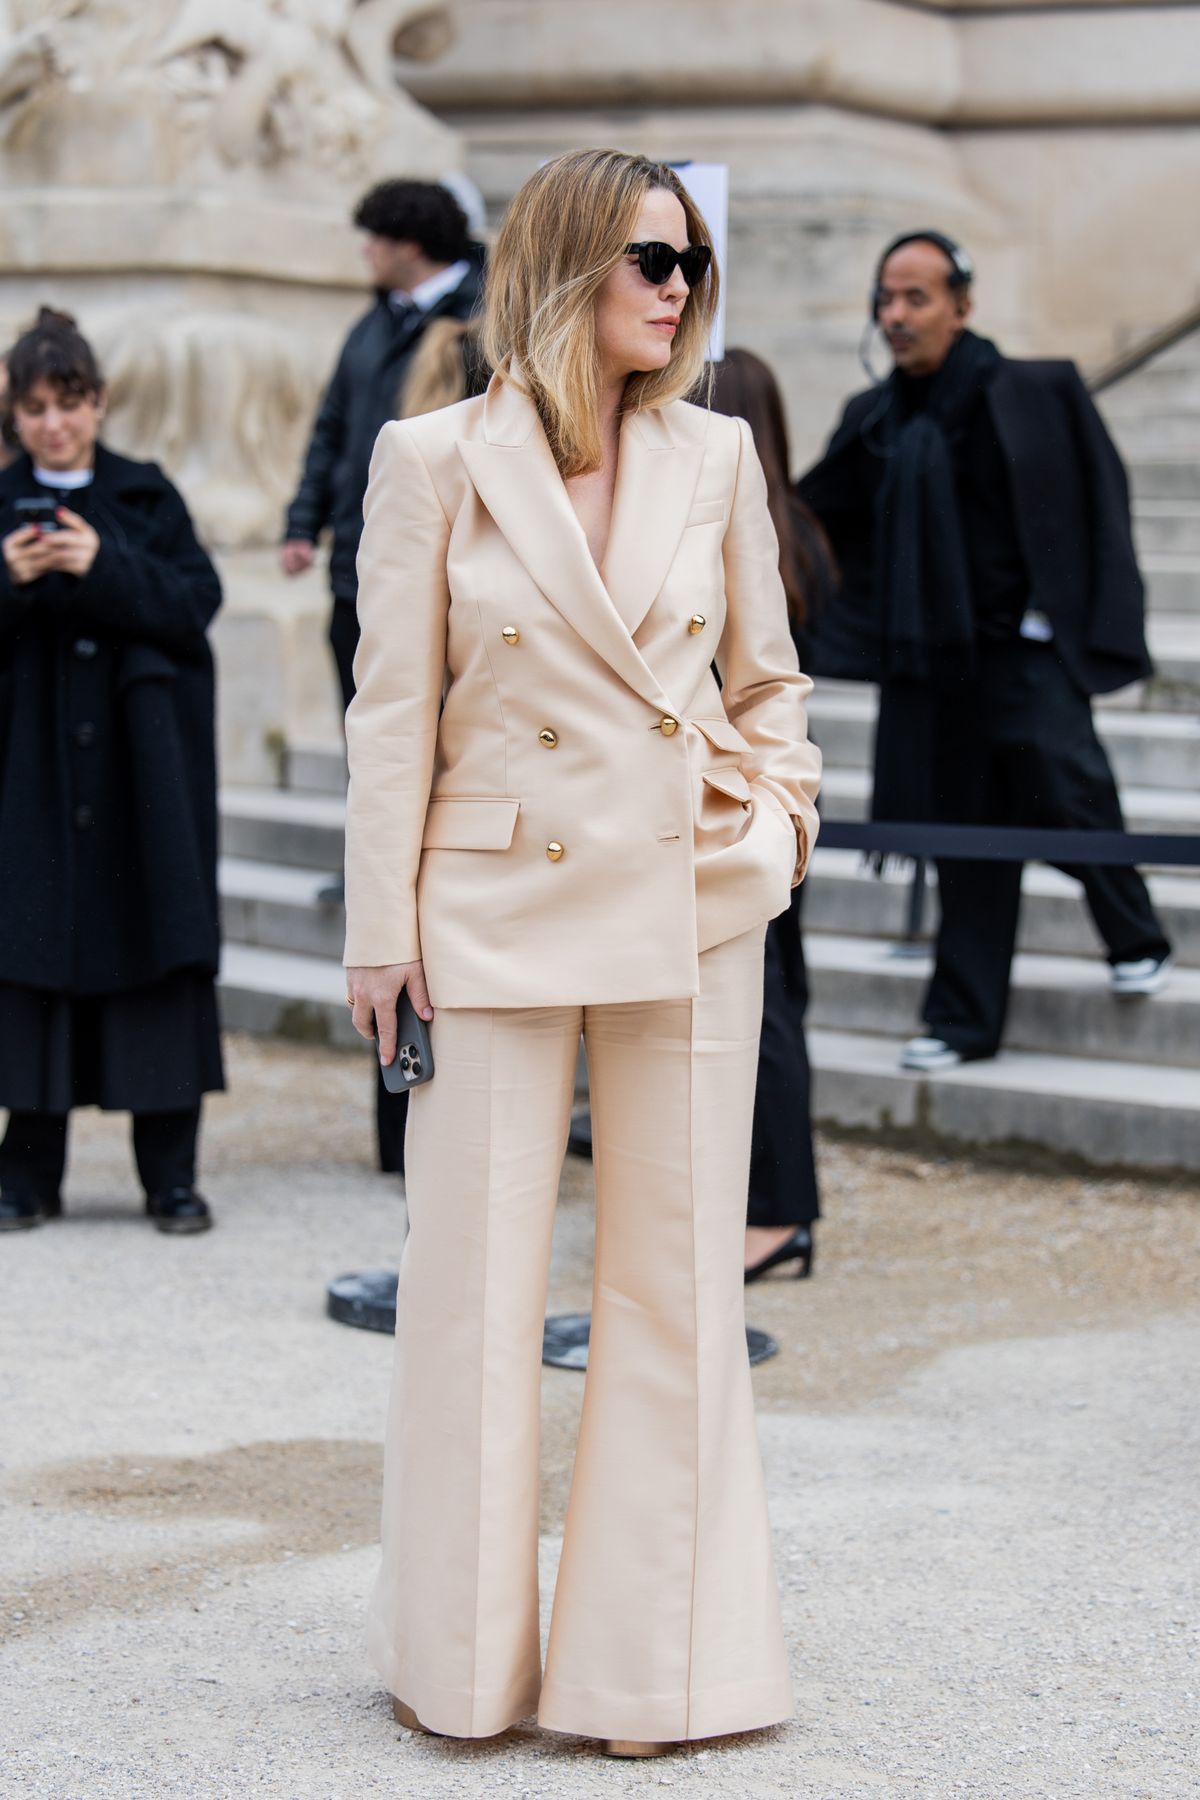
{"x": 671, "y": 325}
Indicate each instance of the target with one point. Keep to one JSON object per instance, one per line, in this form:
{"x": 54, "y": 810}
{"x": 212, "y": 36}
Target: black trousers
{"x": 783, "y": 1171}
{"x": 1020, "y": 748}
{"x": 33, "y": 1155}
{"x": 343, "y": 639}
{"x": 391, "y": 1110}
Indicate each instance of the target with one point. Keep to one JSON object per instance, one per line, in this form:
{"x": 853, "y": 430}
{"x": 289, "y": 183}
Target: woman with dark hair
{"x": 108, "y": 906}
{"x": 784, "y": 1202}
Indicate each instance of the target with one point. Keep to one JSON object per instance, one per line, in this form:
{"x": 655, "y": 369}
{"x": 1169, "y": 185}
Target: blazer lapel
{"x": 514, "y": 473}
{"x": 656, "y": 479}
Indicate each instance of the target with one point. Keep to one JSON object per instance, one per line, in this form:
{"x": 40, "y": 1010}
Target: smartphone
{"x": 412, "y": 1065}
{"x": 41, "y": 511}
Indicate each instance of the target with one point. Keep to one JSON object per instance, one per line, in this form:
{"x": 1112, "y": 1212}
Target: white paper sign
{"x": 708, "y": 185}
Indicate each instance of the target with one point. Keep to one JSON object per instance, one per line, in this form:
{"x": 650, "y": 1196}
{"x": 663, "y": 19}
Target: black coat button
{"x": 85, "y": 648}
{"x": 84, "y": 817}
{"x": 85, "y": 734}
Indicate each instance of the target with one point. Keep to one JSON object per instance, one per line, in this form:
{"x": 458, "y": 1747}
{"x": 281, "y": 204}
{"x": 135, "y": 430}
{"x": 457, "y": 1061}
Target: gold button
{"x": 511, "y": 635}
{"x": 554, "y": 851}
{"x": 668, "y": 726}
{"x": 696, "y": 624}
{"x": 547, "y": 737}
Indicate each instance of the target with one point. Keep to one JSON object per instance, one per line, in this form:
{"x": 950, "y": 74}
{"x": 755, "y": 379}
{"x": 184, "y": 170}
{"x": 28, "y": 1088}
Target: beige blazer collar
{"x": 514, "y": 473}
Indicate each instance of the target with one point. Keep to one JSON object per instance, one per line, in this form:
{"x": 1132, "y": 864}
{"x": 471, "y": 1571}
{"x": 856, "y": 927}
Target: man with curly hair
{"x": 423, "y": 266}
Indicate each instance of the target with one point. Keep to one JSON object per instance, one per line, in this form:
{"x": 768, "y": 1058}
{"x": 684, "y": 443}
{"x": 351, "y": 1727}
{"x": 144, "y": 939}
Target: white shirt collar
{"x": 426, "y": 294}
{"x": 67, "y": 479}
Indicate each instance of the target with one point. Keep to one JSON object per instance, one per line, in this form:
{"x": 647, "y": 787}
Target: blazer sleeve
{"x": 763, "y": 689}
{"x": 391, "y": 727}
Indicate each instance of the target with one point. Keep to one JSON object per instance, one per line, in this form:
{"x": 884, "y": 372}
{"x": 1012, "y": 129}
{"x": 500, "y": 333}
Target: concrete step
{"x": 1167, "y": 528}
{"x": 305, "y": 831}
{"x": 272, "y": 825}
{"x": 1165, "y": 477}
{"x": 1147, "y": 749}
{"x": 280, "y": 994}
{"x": 276, "y": 908}
{"x": 1169, "y": 384}
{"x": 844, "y": 897}
{"x": 1155, "y": 432}
{"x": 845, "y": 794}
{"x": 1060, "y": 1005}
{"x": 315, "y": 768}
{"x": 1174, "y": 640}
{"x": 1172, "y": 582}
{"x": 1109, "y": 1114}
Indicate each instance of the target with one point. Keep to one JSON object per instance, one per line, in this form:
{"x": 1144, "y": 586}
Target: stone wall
{"x": 1062, "y": 144}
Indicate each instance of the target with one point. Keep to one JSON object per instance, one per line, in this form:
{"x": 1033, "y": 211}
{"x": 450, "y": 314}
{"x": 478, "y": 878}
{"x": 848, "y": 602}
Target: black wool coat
{"x": 108, "y": 817}
{"x": 361, "y": 398}
{"x": 1071, "y": 509}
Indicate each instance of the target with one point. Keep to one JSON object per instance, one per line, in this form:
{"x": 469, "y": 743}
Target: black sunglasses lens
{"x": 657, "y": 262}
{"x": 694, "y": 263}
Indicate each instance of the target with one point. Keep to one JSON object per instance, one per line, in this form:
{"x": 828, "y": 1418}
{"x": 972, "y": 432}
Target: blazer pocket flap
{"x": 729, "y": 781}
{"x": 721, "y": 734}
{"x": 708, "y": 512}
{"x": 463, "y": 824}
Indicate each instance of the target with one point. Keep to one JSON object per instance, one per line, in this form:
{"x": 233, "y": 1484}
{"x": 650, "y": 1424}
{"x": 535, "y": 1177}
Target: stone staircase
{"x": 1083, "y": 1077}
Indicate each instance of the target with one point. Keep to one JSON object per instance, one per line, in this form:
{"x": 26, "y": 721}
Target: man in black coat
{"x": 980, "y": 514}
{"x": 423, "y": 266}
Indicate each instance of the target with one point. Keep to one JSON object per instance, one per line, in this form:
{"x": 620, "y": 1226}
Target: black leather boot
{"x": 179, "y": 1211}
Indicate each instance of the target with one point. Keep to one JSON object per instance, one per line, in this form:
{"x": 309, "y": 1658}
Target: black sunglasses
{"x": 657, "y": 262}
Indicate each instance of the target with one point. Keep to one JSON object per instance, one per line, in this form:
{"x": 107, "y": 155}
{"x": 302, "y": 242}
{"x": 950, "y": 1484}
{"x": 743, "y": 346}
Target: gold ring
{"x": 349, "y": 999}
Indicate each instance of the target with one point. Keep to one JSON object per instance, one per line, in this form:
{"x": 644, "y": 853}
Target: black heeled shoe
{"x": 800, "y": 1248}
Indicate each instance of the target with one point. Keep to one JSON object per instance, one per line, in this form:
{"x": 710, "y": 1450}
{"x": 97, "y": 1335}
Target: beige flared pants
{"x": 666, "y": 1621}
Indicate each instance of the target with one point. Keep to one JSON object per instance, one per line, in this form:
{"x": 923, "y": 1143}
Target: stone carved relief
{"x": 144, "y": 140}
{"x": 222, "y": 400}
{"x": 269, "y": 85}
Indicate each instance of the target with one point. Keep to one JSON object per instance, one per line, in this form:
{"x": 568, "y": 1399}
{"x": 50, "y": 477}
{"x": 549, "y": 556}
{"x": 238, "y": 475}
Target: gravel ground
{"x": 980, "y": 1435}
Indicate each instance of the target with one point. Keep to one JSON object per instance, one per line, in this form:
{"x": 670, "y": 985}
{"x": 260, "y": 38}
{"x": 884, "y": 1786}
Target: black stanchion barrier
{"x": 368, "y": 1301}
{"x": 1012, "y": 843}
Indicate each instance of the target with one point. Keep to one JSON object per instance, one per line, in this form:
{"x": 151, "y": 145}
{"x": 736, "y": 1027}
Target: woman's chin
{"x": 655, "y": 356}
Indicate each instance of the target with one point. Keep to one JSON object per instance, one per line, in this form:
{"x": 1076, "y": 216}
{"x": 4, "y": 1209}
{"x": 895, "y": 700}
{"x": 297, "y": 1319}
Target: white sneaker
{"x": 928, "y": 1053}
{"x": 1145, "y": 976}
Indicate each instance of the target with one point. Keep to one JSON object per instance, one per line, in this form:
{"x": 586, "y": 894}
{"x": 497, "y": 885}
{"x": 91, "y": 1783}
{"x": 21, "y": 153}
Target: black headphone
{"x": 962, "y": 269}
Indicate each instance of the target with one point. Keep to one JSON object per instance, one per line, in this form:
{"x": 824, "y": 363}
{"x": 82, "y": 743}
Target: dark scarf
{"x": 922, "y": 574}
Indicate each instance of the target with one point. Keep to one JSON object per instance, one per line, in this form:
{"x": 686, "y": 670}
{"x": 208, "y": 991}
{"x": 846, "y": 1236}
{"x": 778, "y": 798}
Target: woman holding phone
{"x": 108, "y": 906}
{"x": 559, "y": 823}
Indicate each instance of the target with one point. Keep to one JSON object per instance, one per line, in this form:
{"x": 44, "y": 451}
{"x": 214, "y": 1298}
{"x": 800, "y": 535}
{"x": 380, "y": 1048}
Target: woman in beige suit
{"x": 560, "y": 822}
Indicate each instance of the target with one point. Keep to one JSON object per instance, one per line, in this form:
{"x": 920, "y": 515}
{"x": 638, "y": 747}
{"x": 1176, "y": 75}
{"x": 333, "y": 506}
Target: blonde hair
{"x": 438, "y": 375}
{"x": 563, "y": 235}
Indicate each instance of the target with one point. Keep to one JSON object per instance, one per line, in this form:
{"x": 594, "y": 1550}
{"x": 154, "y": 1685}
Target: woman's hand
{"x": 26, "y": 555}
{"x": 373, "y": 993}
{"x": 74, "y": 545}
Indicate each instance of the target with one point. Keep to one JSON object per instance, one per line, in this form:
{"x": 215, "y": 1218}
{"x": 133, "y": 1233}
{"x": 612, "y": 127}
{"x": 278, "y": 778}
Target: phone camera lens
{"x": 416, "y": 1068}
{"x": 404, "y": 1062}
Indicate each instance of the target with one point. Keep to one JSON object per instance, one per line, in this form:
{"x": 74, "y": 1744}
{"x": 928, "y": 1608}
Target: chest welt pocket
{"x": 456, "y": 822}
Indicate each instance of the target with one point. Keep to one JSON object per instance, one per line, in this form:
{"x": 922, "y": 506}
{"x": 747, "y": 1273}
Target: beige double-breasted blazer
{"x": 552, "y": 801}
